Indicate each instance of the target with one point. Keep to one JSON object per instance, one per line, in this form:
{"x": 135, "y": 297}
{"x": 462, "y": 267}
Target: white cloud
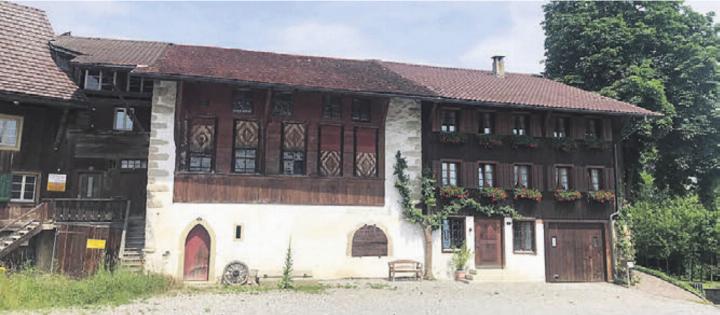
{"x": 704, "y": 6}
{"x": 522, "y": 41}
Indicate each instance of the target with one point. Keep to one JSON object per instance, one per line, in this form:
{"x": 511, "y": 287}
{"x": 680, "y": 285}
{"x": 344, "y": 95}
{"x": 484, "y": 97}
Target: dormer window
{"x": 96, "y": 80}
{"x": 561, "y": 127}
{"x": 449, "y": 121}
{"x": 520, "y": 125}
{"x": 139, "y": 85}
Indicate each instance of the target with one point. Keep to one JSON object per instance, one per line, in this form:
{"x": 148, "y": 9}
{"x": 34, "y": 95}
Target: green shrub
{"x": 286, "y": 282}
{"x": 460, "y": 257}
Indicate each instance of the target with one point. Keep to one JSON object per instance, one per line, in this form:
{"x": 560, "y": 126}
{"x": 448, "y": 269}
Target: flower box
{"x": 594, "y": 143}
{"x": 451, "y": 138}
{"x": 567, "y": 195}
{"x": 494, "y": 194}
{"x": 524, "y": 142}
{"x": 453, "y": 192}
{"x": 489, "y": 141}
{"x": 527, "y": 194}
{"x": 602, "y": 196}
{"x": 564, "y": 144}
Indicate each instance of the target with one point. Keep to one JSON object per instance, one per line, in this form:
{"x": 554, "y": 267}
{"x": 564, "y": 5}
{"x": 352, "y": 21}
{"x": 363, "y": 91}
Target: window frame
{"x": 142, "y": 164}
{"x": 564, "y": 122}
{"x": 533, "y": 231}
{"x": 452, "y": 233}
{"x": 283, "y": 150}
{"x": 37, "y": 185}
{"x": 516, "y": 176}
{"x": 189, "y": 153}
{"x": 363, "y": 106}
{"x": 247, "y": 93}
{"x": 128, "y": 118}
{"x": 19, "y": 120}
{"x": 601, "y": 180}
{"x": 570, "y": 178}
{"x": 481, "y": 123}
{"x": 101, "y": 178}
{"x": 445, "y": 128}
{"x": 336, "y": 113}
{"x": 235, "y": 148}
{"x": 142, "y": 84}
{"x": 100, "y": 79}
{"x": 483, "y": 164}
{"x": 458, "y": 165}
{"x": 276, "y": 111}
{"x": 598, "y": 132}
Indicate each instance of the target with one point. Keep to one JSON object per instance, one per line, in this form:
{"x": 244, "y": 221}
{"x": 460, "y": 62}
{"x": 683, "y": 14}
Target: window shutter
{"x": 580, "y": 179}
{"x": 607, "y": 129}
{"x": 5, "y": 184}
{"x": 551, "y": 178}
{"x": 503, "y": 123}
{"x": 537, "y": 177}
{"x": 504, "y": 175}
{"x": 609, "y": 179}
{"x": 272, "y": 165}
{"x": 535, "y": 125}
{"x": 578, "y": 125}
{"x": 469, "y": 176}
{"x": 468, "y": 121}
{"x": 435, "y": 118}
{"x": 436, "y": 171}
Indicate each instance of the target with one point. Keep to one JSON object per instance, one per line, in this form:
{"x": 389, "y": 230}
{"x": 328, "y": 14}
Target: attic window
{"x": 139, "y": 85}
{"x": 96, "y": 80}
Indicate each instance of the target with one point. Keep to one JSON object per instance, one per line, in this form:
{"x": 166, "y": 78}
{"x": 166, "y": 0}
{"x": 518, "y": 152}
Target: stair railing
{"x": 124, "y": 230}
{"x": 25, "y": 215}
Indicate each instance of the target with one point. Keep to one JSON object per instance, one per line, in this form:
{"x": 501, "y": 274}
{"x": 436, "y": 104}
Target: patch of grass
{"x": 31, "y": 289}
{"x": 346, "y": 286}
{"x": 675, "y": 281}
{"x": 380, "y": 286}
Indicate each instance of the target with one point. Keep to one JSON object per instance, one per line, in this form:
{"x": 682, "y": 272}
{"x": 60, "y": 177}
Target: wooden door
{"x": 574, "y": 252}
{"x": 488, "y": 242}
{"x": 197, "y": 255}
{"x": 130, "y": 184}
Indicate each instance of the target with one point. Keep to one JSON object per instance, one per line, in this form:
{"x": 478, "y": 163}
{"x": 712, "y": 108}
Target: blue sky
{"x": 461, "y": 34}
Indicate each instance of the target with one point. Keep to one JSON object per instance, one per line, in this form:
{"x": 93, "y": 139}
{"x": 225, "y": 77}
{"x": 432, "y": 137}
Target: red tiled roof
{"x": 512, "y": 89}
{"x": 27, "y": 69}
{"x": 283, "y": 69}
{"x": 103, "y": 51}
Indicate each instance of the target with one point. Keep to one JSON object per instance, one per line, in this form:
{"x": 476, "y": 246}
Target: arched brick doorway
{"x": 197, "y": 255}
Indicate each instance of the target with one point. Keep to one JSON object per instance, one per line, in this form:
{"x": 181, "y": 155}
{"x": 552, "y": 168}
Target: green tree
{"x": 662, "y": 56}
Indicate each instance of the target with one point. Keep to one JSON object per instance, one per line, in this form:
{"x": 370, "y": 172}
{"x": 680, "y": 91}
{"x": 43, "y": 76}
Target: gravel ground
{"x": 437, "y": 297}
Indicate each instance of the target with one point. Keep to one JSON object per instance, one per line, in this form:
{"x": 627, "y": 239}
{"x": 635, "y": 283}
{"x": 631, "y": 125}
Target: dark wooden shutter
{"x": 504, "y": 175}
{"x": 607, "y": 129}
{"x": 580, "y": 181}
{"x": 366, "y": 152}
{"x": 5, "y": 184}
{"x": 435, "y": 118}
{"x": 469, "y": 176}
{"x": 503, "y": 123}
{"x": 369, "y": 240}
{"x": 468, "y": 121}
{"x": 536, "y": 125}
{"x": 537, "y": 177}
{"x": 436, "y": 165}
{"x": 330, "y": 155}
{"x": 551, "y": 178}
{"x": 609, "y": 179}
{"x": 578, "y": 124}
{"x": 272, "y": 149}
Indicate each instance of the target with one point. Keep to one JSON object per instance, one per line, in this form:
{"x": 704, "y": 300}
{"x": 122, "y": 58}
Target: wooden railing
{"x": 89, "y": 210}
{"x": 40, "y": 212}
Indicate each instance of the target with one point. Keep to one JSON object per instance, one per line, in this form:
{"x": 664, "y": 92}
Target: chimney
{"x": 498, "y": 66}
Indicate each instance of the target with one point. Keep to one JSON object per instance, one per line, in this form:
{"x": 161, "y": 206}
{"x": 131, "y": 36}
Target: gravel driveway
{"x": 437, "y": 297}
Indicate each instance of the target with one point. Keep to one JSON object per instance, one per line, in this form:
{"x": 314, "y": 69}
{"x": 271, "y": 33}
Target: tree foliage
{"x": 659, "y": 55}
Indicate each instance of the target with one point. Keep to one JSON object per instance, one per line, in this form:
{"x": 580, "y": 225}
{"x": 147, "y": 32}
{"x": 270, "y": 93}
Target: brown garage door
{"x": 574, "y": 252}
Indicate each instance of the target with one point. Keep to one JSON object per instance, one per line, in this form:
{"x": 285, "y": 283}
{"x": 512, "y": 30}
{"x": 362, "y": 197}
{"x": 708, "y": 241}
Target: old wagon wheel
{"x": 235, "y": 273}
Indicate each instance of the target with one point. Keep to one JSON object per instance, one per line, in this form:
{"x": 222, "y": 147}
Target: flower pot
{"x": 459, "y": 275}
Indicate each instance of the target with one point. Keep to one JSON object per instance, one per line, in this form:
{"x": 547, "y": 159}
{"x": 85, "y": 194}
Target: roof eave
{"x": 42, "y": 100}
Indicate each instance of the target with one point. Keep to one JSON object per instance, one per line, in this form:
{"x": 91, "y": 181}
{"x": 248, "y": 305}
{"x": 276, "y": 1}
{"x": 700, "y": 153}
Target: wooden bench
{"x": 404, "y": 266}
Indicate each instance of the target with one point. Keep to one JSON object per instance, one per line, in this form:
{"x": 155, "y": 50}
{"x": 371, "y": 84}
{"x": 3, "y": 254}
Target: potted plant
{"x": 489, "y": 141}
{"x": 602, "y": 196}
{"x": 459, "y": 260}
{"x": 567, "y": 195}
{"x": 451, "y": 138}
{"x": 494, "y": 194}
{"x": 522, "y": 141}
{"x": 453, "y": 192}
{"x": 522, "y": 193}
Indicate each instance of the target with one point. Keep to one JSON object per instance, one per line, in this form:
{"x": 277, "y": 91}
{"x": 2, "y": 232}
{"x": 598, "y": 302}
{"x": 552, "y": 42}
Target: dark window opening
{"x": 242, "y": 101}
{"x": 293, "y": 154}
{"x": 593, "y": 128}
{"x": 282, "y": 104}
{"x": 245, "y": 151}
{"x": 238, "y": 232}
{"x": 361, "y": 110}
{"x": 332, "y": 107}
{"x": 520, "y": 125}
{"x": 453, "y": 233}
{"x": 561, "y": 127}
{"x": 487, "y": 126}
{"x": 449, "y": 121}
{"x": 201, "y": 145}
{"x": 90, "y": 185}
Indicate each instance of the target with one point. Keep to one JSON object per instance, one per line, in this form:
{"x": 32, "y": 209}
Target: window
{"x": 366, "y": 152}
{"x": 561, "y": 127}
{"x": 89, "y": 185}
{"x": 593, "y": 128}
{"x": 486, "y": 175}
{"x": 96, "y": 79}
{"x": 139, "y": 85}
{"x": 10, "y": 132}
{"x": 238, "y": 232}
{"x": 282, "y": 104}
{"x": 330, "y": 151}
{"x": 361, "y": 110}
{"x": 520, "y": 125}
{"x": 486, "y": 124}
{"x": 201, "y": 145}
{"x": 23, "y": 188}
{"x": 521, "y": 175}
{"x": 595, "y": 183}
{"x": 449, "y": 173}
{"x": 369, "y": 240}
{"x": 562, "y": 178}
{"x": 453, "y": 233}
{"x": 293, "y": 153}
{"x": 524, "y": 236}
{"x": 133, "y": 164}
{"x": 247, "y": 140}
{"x": 332, "y": 107}
{"x": 242, "y": 101}
{"x": 124, "y": 118}
{"x": 449, "y": 121}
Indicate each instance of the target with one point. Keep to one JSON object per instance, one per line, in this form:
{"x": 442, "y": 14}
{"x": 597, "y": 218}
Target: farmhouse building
{"x": 230, "y": 155}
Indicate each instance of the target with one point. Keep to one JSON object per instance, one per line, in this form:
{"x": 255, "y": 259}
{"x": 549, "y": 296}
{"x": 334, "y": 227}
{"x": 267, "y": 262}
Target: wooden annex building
{"x": 186, "y": 159}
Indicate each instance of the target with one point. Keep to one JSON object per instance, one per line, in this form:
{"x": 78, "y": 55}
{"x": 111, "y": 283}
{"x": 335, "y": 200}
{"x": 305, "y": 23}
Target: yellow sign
{"x": 56, "y": 182}
{"x": 95, "y": 244}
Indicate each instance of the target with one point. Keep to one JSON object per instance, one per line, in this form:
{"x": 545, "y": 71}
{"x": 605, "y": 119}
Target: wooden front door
{"x": 574, "y": 252}
{"x": 488, "y": 242}
{"x": 197, "y": 255}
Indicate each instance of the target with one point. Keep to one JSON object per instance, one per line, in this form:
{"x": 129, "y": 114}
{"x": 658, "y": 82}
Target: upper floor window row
{"x": 111, "y": 80}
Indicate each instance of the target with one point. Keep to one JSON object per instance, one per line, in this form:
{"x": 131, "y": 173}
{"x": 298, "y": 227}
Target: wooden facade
{"x": 342, "y": 145}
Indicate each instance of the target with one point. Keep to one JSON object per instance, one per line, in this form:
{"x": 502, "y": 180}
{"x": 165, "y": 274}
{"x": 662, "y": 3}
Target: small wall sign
{"x": 95, "y": 244}
{"x": 56, "y": 182}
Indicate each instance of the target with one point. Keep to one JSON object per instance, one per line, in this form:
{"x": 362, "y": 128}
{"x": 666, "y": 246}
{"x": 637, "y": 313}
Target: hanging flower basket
{"x": 527, "y": 194}
{"x": 567, "y": 195}
{"x": 494, "y": 194}
{"x": 524, "y": 142}
{"x": 489, "y": 141}
{"x": 594, "y": 143}
{"x": 451, "y": 138}
{"x": 564, "y": 144}
{"x": 453, "y": 192}
{"x": 602, "y": 196}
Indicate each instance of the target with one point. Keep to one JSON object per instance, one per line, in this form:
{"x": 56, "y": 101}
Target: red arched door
{"x": 197, "y": 254}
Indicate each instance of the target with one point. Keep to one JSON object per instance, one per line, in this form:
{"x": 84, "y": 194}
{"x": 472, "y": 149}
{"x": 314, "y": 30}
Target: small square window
{"x": 23, "y": 188}
{"x": 524, "y": 236}
{"x": 453, "y": 233}
{"x": 123, "y": 119}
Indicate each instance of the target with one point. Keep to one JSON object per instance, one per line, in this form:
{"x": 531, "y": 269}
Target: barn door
{"x": 575, "y": 252}
{"x": 488, "y": 242}
{"x": 197, "y": 255}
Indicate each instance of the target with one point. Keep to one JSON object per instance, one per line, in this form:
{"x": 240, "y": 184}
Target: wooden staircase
{"x": 19, "y": 236}
{"x": 131, "y": 256}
